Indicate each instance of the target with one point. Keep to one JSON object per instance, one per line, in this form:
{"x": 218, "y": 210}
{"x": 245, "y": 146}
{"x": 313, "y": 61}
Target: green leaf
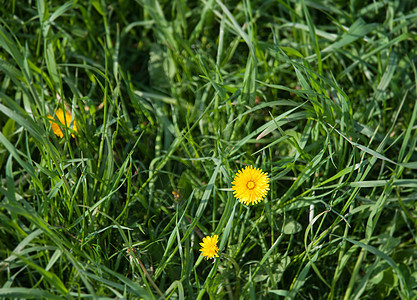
{"x": 356, "y": 31}
{"x": 292, "y": 227}
{"x": 389, "y": 260}
{"x": 27, "y": 293}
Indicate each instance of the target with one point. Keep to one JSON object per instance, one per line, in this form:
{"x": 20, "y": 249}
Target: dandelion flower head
{"x": 63, "y": 120}
{"x": 250, "y": 185}
{"x": 209, "y": 247}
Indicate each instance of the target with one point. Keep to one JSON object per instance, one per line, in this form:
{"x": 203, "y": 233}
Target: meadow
{"x": 125, "y": 124}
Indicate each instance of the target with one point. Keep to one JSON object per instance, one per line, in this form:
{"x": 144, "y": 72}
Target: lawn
{"x": 208, "y": 149}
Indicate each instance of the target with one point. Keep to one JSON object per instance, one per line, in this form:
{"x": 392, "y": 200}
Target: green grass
{"x": 177, "y": 96}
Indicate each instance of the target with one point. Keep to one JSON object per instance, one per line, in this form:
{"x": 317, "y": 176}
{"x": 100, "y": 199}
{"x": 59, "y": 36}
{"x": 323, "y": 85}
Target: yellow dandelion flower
{"x": 63, "y": 120}
{"x": 250, "y": 185}
{"x": 176, "y": 195}
{"x": 209, "y": 247}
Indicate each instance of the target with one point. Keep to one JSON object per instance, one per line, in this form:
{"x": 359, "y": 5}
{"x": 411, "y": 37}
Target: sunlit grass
{"x": 166, "y": 101}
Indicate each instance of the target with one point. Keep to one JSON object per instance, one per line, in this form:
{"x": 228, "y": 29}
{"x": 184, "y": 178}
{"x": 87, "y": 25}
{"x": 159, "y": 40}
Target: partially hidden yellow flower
{"x": 209, "y": 247}
{"x": 65, "y": 121}
{"x": 250, "y": 185}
